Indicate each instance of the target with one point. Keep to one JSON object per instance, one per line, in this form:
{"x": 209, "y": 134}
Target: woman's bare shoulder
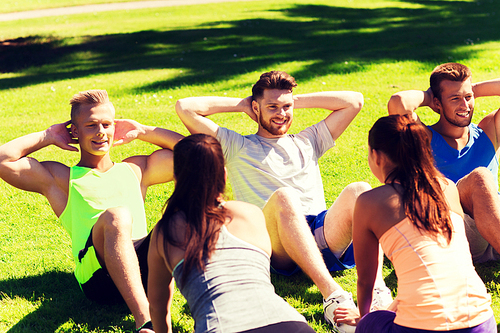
{"x": 379, "y": 209}
{"x": 247, "y": 222}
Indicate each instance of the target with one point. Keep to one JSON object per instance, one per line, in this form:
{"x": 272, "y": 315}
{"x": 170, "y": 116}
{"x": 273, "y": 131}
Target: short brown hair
{"x": 451, "y": 71}
{"x": 273, "y": 80}
{"x": 89, "y": 97}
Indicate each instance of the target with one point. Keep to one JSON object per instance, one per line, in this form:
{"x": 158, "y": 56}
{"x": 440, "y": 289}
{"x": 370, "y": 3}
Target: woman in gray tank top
{"x": 217, "y": 251}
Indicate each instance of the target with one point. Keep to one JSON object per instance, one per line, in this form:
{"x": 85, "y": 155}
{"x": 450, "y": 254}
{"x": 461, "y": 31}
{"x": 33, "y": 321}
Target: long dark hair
{"x": 200, "y": 181}
{"x": 406, "y": 144}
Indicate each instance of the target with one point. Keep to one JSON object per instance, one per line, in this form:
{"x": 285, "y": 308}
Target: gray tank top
{"x": 234, "y": 293}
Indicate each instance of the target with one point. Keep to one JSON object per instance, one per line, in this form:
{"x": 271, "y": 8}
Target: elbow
{"x": 353, "y": 101}
{"x": 4, "y": 167}
{"x": 365, "y": 283}
{"x": 358, "y": 101}
{"x": 180, "y": 107}
{"x": 183, "y": 108}
{"x": 394, "y": 104}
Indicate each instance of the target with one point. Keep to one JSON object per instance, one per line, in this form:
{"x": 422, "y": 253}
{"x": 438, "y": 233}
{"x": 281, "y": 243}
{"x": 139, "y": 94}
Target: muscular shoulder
{"x": 57, "y": 192}
{"x": 137, "y": 164}
{"x": 490, "y": 124}
{"x": 59, "y": 172}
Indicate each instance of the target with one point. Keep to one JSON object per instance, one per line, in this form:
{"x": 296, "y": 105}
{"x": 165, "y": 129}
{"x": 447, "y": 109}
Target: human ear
{"x": 74, "y": 131}
{"x": 437, "y": 105}
{"x": 376, "y": 157}
{"x": 256, "y": 108}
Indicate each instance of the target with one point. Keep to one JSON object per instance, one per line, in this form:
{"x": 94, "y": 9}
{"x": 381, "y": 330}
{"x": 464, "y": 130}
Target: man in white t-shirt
{"x": 279, "y": 172}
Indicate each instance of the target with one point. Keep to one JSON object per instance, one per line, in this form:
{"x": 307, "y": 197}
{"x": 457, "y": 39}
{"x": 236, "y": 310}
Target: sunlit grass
{"x": 147, "y": 59}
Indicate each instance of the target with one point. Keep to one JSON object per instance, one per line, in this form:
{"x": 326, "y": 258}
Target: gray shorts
{"x": 480, "y": 249}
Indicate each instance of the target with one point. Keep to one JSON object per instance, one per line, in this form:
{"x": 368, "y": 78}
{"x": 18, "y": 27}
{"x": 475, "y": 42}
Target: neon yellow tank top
{"x": 92, "y": 192}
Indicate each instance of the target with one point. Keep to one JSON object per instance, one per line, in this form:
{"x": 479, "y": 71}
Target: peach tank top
{"x": 438, "y": 287}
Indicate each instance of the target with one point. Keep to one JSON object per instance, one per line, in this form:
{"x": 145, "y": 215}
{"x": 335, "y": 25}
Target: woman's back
{"x": 418, "y": 220}
{"x": 234, "y": 292}
{"x": 438, "y": 287}
{"x": 219, "y": 252}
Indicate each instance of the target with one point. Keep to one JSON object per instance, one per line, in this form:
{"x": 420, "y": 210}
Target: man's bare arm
{"x": 486, "y": 88}
{"x": 155, "y": 168}
{"x": 26, "y": 173}
{"x": 127, "y": 130}
{"x": 193, "y": 111}
{"x": 345, "y": 105}
{"x": 490, "y": 123}
{"x": 408, "y": 101}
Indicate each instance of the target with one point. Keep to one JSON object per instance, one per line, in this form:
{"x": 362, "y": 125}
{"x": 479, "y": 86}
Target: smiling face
{"x": 94, "y": 128}
{"x": 274, "y": 112}
{"x": 457, "y": 102}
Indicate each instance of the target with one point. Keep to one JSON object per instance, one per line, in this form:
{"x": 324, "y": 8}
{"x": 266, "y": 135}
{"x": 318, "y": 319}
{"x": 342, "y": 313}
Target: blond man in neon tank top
{"x": 99, "y": 202}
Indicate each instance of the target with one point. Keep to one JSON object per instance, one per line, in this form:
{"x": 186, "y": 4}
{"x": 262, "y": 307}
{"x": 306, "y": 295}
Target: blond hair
{"x": 89, "y": 97}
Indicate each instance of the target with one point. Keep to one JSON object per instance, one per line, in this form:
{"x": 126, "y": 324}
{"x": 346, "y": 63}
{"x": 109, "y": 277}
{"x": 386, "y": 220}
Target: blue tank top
{"x": 455, "y": 164}
{"x": 234, "y": 293}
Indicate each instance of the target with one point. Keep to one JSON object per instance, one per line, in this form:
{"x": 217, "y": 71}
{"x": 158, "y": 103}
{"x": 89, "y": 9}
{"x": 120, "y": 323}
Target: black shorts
{"x": 101, "y": 289}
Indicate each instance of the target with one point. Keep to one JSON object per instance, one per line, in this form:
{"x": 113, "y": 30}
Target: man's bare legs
{"x": 479, "y": 199}
{"x": 111, "y": 236}
{"x": 293, "y": 242}
{"x": 338, "y": 224}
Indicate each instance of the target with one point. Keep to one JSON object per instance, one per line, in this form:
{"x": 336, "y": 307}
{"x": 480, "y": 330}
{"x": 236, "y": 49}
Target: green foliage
{"x": 147, "y": 59}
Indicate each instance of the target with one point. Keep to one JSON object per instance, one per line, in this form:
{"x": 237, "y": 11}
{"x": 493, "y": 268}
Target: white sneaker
{"x": 339, "y": 298}
{"x": 382, "y": 298}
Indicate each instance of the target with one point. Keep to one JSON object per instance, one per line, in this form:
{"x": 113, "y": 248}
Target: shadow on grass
{"x": 490, "y": 274}
{"x": 330, "y": 39}
{"x": 297, "y": 284}
{"x": 61, "y": 305}
{"x": 297, "y": 287}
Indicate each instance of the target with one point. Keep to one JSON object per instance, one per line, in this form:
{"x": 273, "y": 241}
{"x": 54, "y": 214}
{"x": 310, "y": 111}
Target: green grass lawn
{"x": 147, "y": 59}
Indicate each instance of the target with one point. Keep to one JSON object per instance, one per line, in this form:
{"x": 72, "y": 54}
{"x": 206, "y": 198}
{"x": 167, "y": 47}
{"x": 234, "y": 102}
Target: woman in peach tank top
{"x": 417, "y": 219}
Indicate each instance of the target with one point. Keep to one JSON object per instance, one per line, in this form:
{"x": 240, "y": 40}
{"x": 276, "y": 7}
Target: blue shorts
{"x": 333, "y": 263}
{"x": 383, "y": 322}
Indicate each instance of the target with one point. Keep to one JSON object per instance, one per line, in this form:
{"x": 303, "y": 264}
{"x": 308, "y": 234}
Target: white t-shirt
{"x": 259, "y": 166}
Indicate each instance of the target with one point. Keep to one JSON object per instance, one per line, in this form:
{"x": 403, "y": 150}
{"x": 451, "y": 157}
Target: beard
{"x": 458, "y": 123}
{"x": 268, "y": 126}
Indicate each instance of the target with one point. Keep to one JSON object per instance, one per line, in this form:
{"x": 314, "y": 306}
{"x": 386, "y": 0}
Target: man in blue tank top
{"x": 99, "y": 202}
{"x": 463, "y": 152}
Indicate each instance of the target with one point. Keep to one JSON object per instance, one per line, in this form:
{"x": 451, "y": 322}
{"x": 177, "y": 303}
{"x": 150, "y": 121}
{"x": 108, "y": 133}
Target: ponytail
{"x": 200, "y": 183}
{"x": 407, "y": 145}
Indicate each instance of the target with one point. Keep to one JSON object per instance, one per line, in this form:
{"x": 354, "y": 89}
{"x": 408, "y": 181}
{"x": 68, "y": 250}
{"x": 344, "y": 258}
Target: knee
{"x": 116, "y": 219}
{"x": 284, "y": 206}
{"x": 284, "y": 198}
{"x": 480, "y": 179}
{"x": 482, "y": 176}
{"x": 354, "y": 190}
